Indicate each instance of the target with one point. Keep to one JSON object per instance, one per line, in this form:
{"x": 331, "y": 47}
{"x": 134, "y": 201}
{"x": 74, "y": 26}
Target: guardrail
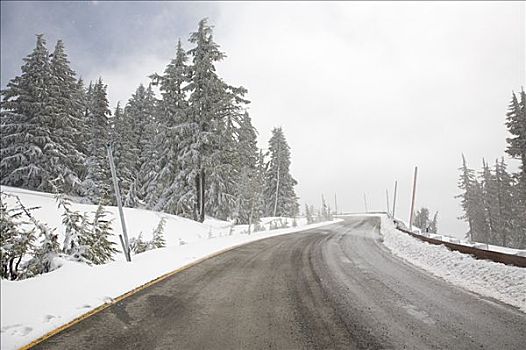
{"x": 508, "y": 259}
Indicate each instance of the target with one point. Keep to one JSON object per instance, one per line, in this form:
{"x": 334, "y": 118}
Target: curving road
{"x": 334, "y": 287}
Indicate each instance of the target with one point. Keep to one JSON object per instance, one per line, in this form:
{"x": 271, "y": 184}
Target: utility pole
{"x": 387, "y": 198}
{"x": 365, "y": 202}
{"x": 335, "y": 204}
{"x": 394, "y": 198}
{"x": 125, "y": 243}
{"x": 413, "y": 201}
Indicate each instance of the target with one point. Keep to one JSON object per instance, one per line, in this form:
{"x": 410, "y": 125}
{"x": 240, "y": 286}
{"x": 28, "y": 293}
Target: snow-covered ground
{"x": 487, "y": 278}
{"x": 33, "y": 307}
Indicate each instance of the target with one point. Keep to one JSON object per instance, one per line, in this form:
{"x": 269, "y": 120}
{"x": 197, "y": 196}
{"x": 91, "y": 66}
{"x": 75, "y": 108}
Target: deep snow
{"x": 490, "y": 279}
{"x": 35, "y": 306}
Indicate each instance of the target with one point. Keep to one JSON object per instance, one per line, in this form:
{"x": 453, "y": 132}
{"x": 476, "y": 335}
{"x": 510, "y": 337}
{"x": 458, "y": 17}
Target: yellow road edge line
{"x": 125, "y": 295}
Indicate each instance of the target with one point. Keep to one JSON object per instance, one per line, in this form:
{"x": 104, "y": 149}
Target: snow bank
{"x": 487, "y": 278}
{"x": 36, "y": 306}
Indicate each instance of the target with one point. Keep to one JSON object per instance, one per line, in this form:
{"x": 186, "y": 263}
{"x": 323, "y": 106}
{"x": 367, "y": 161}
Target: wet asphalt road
{"x": 334, "y": 287}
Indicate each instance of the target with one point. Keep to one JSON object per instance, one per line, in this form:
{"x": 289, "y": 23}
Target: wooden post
{"x": 125, "y": 243}
{"x": 413, "y": 201}
{"x": 387, "y": 198}
{"x": 394, "y": 198}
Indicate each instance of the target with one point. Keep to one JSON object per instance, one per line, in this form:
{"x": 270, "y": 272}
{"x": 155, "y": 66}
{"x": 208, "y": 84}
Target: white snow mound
{"x": 487, "y": 278}
{"x": 33, "y": 307}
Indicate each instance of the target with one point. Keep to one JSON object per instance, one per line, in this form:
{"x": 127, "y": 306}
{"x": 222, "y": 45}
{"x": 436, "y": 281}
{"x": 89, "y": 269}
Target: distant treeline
{"x": 494, "y": 200}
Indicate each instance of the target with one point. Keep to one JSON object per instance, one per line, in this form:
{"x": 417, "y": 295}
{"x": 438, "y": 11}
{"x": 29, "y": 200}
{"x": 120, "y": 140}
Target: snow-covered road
{"x": 332, "y": 287}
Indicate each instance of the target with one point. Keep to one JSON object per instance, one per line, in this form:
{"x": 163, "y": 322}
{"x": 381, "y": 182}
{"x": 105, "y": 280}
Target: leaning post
{"x": 125, "y": 243}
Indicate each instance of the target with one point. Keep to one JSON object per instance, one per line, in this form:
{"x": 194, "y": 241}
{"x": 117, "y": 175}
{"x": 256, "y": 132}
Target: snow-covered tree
{"x": 280, "y": 197}
{"x": 516, "y": 123}
{"x": 27, "y": 147}
{"x": 76, "y": 231}
{"x": 16, "y": 242}
{"x": 125, "y": 153}
{"x": 46, "y": 256}
{"x": 67, "y": 107}
{"x": 97, "y": 183}
{"x": 472, "y": 204}
{"x": 139, "y": 244}
{"x": 101, "y": 248}
{"x": 213, "y": 105}
{"x": 308, "y": 214}
{"x": 507, "y": 205}
{"x": 170, "y": 182}
{"x": 490, "y": 201}
{"x": 143, "y": 144}
{"x": 422, "y": 220}
{"x": 251, "y": 163}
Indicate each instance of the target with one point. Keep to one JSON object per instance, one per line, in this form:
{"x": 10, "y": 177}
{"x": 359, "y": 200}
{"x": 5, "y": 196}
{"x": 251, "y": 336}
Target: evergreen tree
{"x": 472, "y": 204}
{"x": 66, "y": 104}
{"x": 250, "y": 161}
{"x": 433, "y": 226}
{"x": 308, "y": 215}
{"x": 125, "y": 154}
{"x": 491, "y": 204}
{"x": 173, "y": 109}
{"x": 101, "y": 248}
{"x": 213, "y": 105}
{"x": 27, "y": 150}
{"x": 421, "y": 219}
{"x": 143, "y": 141}
{"x": 158, "y": 240}
{"x": 76, "y": 233}
{"x": 509, "y": 223}
{"x": 16, "y": 242}
{"x": 516, "y": 123}
{"x": 280, "y": 197}
{"x": 97, "y": 183}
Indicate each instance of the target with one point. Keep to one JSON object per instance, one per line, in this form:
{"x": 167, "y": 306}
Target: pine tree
{"x": 433, "y": 226}
{"x": 173, "y": 111}
{"x": 76, "y": 233}
{"x": 250, "y": 162}
{"x": 308, "y": 214}
{"x": 125, "y": 153}
{"x": 101, "y": 248}
{"x": 472, "y": 204}
{"x": 213, "y": 105}
{"x": 46, "y": 256}
{"x": 158, "y": 240}
{"x": 27, "y": 149}
{"x": 421, "y": 219}
{"x": 143, "y": 145}
{"x": 491, "y": 204}
{"x": 280, "y": 197}
{"x": 16, "y": 242}
{"x": 516, "y": 123}
{"x": 66, "y": 104}
{"x": 507, "y": 204}
{"x": 97, "y": 182}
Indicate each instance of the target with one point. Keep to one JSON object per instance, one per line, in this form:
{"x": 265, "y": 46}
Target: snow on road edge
{"x": 484, "y": 277}
{"x": 33, "y": 307}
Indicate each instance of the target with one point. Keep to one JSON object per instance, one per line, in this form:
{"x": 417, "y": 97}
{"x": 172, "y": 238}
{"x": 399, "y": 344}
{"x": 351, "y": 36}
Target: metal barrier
{"x": 508, "y": 259}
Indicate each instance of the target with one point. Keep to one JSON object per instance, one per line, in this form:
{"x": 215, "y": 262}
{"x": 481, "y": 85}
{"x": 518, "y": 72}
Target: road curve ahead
{"x": 334, "y": 287}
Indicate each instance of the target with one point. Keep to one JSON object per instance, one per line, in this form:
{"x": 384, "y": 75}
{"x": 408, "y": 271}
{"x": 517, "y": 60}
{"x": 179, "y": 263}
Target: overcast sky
{"x": 364, "y": 91}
